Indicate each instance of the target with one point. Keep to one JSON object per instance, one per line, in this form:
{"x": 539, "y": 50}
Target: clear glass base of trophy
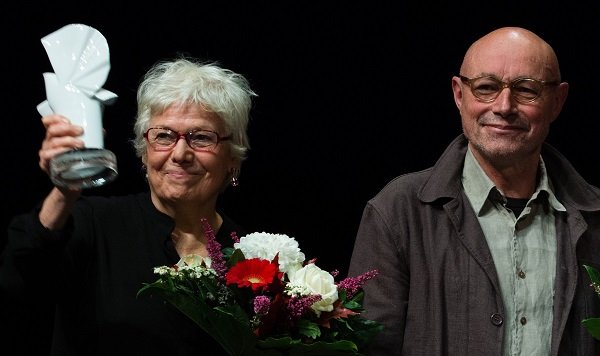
{"x": 84, "y": 168}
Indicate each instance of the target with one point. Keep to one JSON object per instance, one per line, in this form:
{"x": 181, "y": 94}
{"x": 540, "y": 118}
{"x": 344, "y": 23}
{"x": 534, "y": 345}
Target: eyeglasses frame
{"x": 544, "y": 83}
{"x": 186, "y": 136}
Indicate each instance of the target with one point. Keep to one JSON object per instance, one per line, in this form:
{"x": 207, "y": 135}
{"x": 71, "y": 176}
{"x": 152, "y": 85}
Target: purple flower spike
{"x": 214, "y": 249}
{"x": 298, "y": 306}
{"x": 234, "y": 237}
{"x": 352, "y": 284}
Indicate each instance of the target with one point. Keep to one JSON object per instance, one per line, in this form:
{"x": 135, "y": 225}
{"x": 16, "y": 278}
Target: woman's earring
{"x": 234, "y": 177}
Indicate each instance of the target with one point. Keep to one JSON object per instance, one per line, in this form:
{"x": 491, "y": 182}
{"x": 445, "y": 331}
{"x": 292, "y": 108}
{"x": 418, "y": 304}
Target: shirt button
{"x": 496, "y": 319}
{"x": 523, "y": 320}
{"x": 521, "y": 274}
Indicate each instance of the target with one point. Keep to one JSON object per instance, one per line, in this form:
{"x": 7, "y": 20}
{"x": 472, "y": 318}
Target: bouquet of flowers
{"x": 260, "y": 297}
{"x": 593, "y": 324}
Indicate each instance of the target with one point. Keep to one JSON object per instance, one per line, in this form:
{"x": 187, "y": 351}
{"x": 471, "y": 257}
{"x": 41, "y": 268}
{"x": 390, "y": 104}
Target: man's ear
{"x": 559, "y": 99}
{"x": 457, "y": 89}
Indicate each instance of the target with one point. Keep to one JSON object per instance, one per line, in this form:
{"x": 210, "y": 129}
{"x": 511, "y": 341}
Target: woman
{"x": 92, "y": 254}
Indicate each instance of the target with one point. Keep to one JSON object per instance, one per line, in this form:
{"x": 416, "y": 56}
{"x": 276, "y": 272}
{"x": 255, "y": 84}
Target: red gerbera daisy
{"x": 255, "y": 273}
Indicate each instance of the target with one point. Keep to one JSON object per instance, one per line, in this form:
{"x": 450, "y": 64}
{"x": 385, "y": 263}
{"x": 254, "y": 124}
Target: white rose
{"x": 318, "y": 282}
{"x": 266, "y": 246}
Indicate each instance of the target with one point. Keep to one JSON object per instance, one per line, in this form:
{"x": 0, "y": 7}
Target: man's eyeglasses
{"x": 523, "y": 90}
{"x": 164, "y": 139}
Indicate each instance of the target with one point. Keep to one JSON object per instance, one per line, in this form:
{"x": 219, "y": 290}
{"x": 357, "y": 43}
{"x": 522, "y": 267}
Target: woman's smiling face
{"x": 182, "y": 174}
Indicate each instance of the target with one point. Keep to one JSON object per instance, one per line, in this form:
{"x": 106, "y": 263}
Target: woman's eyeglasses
{"x": 164, "y": 139}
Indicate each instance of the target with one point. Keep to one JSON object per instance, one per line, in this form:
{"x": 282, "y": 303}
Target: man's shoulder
{"x": 405, "y": 186}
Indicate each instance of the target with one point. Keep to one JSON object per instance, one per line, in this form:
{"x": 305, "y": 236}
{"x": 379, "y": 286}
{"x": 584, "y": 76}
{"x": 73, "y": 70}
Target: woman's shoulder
{"x": 229, "y": 227}
{"x": 117, "y": 205}
{"x": 116, "y": 200}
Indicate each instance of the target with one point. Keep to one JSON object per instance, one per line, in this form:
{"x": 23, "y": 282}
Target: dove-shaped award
{"x": 80, "y": 58}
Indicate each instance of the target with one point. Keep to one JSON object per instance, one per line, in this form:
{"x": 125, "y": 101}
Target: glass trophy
{"x": 80, "y": 58}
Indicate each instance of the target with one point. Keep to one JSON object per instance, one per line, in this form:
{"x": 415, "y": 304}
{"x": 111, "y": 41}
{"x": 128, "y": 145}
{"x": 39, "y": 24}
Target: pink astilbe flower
{"x": 234, "y": 237}
{"x": 352, "y": 284}
{"x": 298, "y": 306}
{"x": 261, "y": 305}
{"x": 214, "y": 249}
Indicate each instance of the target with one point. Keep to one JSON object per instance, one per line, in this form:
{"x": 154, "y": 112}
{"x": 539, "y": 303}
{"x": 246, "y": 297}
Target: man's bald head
{"x": 508, "y": 45}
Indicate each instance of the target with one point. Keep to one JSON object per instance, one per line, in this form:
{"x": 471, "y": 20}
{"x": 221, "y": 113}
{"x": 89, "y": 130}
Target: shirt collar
{"x": 479, "y": 187}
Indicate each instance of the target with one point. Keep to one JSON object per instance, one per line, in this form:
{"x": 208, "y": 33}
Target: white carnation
{"x": 266, "y": 246}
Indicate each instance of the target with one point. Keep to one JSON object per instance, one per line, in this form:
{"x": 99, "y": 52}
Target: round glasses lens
{"x": 202, "y": 139}
{"x": 162, "y": 137}
{"x": 526, "y": 89}
{"x": 486, "y": 88}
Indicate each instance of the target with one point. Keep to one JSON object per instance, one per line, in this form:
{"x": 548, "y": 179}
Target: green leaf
{"x": 227, "y": 325}
{"x": 152, "y": 286}
{"x": 308, "y": 329}
{"x": 593, "y": 326}
{"x": 227, "y": 251}
{"x": 364, "y": 331}
{"x": 593, "y": 273}
{"x": 236, "y": 257}
{"x": 295, "y": 347}
{"x": 351, "y": 304}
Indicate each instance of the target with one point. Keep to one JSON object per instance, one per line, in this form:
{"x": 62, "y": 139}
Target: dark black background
{"x": 350, "y": 96}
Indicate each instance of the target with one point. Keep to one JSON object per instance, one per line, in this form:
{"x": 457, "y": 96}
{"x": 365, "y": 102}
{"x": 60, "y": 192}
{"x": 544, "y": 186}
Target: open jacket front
{"x": 438, "y": 292}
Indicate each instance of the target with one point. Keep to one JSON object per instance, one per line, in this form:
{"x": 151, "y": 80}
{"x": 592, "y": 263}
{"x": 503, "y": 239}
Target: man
{"x": 482, "y": 254}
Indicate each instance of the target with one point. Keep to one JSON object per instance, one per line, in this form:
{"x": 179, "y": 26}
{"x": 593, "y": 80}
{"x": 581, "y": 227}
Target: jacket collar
{"x": 444, "y": 182}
